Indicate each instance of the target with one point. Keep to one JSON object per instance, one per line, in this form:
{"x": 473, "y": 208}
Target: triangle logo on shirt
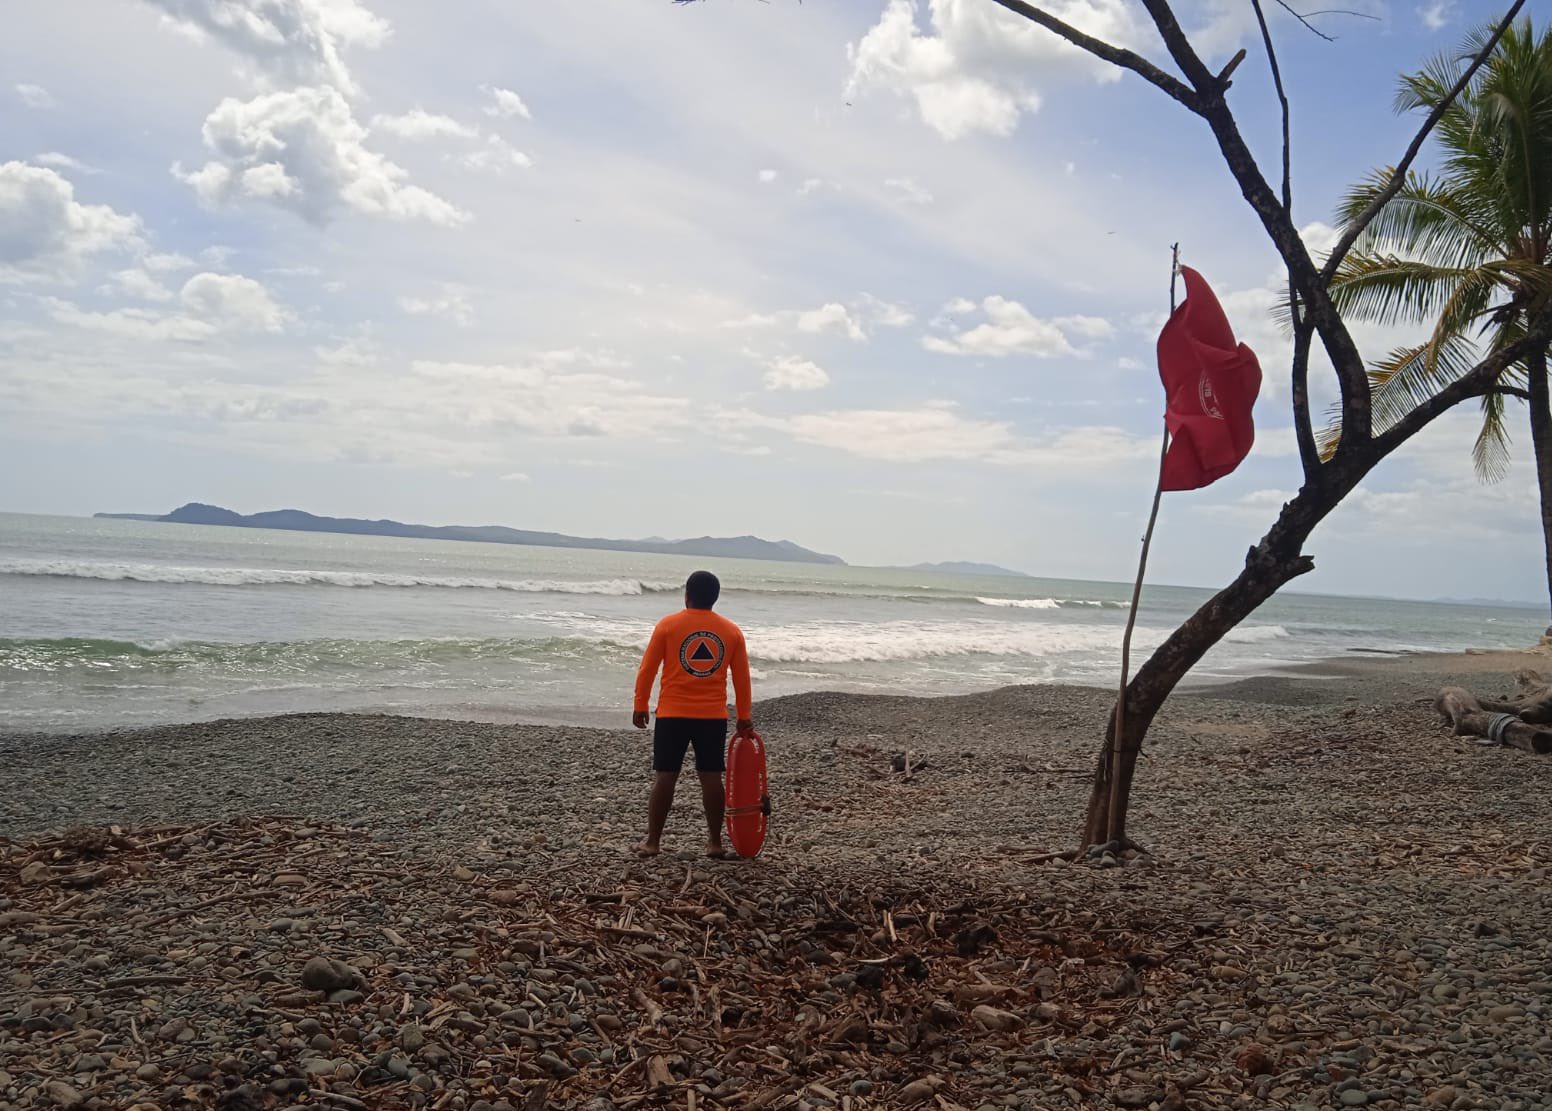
{"x": 701, "y": 653}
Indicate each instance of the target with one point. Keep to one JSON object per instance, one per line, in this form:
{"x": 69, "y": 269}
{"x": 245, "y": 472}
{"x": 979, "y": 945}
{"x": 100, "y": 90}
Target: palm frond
{"x": 1428, "y": 220}
{"x": 1401, "y": 381}
{"x": 1490, "y": 452}
{"x": 1470, "y": 303}
{"x": 1394, "y": 290}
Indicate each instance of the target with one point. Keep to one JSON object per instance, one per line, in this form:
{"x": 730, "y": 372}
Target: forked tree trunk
{"x": 1270, "y": 565}
{"x": 1541, "y": 444}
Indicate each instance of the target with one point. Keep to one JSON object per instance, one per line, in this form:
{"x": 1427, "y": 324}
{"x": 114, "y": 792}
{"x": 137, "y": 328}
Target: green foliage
{"x": 1466, "y": 252}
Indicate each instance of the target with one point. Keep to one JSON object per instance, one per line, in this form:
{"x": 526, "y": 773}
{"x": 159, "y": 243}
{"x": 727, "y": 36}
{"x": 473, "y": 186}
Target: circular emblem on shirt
{"x": 701, "y": 654}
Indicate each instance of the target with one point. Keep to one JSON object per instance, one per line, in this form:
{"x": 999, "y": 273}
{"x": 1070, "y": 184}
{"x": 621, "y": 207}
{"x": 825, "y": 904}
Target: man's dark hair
{"x": 701, "y": 590}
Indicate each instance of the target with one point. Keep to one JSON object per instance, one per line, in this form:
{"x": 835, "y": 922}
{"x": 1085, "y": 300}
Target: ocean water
{"x": 106, "y": 623}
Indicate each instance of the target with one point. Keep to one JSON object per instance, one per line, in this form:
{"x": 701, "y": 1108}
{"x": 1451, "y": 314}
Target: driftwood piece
{"x": 1472, "y": 718}
{"x": 1532, "y": 704}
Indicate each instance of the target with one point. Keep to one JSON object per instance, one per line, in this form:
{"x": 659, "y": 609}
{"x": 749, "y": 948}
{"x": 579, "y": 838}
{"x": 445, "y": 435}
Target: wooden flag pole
{"x": 1113, "y": 828}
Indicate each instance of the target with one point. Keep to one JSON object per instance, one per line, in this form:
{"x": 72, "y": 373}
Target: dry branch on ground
{"x": 1518, "y": 721}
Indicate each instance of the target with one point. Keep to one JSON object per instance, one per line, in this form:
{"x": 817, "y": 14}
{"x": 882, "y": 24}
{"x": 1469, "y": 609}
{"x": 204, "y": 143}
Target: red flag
{"x": 1211, "y": 384}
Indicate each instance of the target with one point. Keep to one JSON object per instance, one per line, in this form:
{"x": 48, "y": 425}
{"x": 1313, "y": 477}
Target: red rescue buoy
{"x": 748, "y": 795}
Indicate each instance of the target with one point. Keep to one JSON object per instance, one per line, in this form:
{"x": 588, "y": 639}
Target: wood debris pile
{"x": 1522, "y": 720}
{"x": 278, "y": 963}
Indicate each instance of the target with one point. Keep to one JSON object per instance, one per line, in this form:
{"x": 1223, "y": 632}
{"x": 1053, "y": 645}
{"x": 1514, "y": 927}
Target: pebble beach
{"x": 1341, "y": 905}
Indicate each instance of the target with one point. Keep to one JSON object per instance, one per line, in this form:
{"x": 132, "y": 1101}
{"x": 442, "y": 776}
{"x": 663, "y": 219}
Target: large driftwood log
{"x": 1532, "y": 704}
{"x": 1472, "y": 718}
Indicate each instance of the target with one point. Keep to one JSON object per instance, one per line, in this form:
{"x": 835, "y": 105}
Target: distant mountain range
{"x": 954, "y": 567}
{"x": 720, "y": 547}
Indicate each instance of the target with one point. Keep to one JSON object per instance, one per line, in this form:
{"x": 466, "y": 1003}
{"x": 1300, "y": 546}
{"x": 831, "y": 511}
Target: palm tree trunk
{"x": 1541, "y": 444}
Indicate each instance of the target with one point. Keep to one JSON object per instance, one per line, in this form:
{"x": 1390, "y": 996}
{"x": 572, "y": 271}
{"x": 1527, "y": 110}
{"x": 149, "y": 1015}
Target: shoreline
{"x": 1359, "y": 665}
{"x": 270, "y": 761}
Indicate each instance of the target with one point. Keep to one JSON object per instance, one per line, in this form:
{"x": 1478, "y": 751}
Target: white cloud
{"x": 1089, "y": 327}
{"x": 496, "y": 156}
{"x": 791, "y": 373}
{"x": 162, "y": 262}
{"x": 45, "y": 233}
{"x": 547, "y": 395}
{"x": 767, "y": 176}
{"x": 304, "y": 151}
{"x": 908, "y": 190}
{"x": 515, "y": 476}
{"x": 138, "y": 324}
{"x": 904, "y": 435}
{"x": 233, "y": 303}
{"x": 418, "y": 123}
{"x": 55, "y": 160}
{"x": 970, "y": 70}
{"x": 1437, "y": 15}
{"x": 883, "y": 314}
{"x": 35, "y": 96}
{"x": 451, "y": 304}
{"x": 758, "y": 320}
{"x": 1011, "y": 329}
{"x": 140, "y": 284}
{"x": 505, "y": 104}
{"x": 295, "y": 42}
{"x": 833, "y": 317}
{"x": 357, "y": 351}
{"x": 852, "y": 321}
{"x": 959, "y": 306}
{"x": 937, "y": 431}
{"x": 211, "y": 304}
{"x": 810, "y": 185}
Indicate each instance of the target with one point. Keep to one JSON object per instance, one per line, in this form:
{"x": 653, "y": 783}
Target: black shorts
{"x": 671, "y": 736}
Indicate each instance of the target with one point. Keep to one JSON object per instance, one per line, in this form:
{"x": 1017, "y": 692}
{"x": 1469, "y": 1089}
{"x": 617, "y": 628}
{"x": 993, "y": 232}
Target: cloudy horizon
{"x": 882, "y": 279}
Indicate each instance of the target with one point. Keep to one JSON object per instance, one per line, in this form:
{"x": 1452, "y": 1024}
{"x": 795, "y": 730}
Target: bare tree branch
{"x": 1278, "y": 222}
{"x": 1180, "y": 47}
{"x": 1282, "y": 99}
{"x": 1511, "y": 391}
{"x": 1303, "y": 333}
{"x": 1326, "y": 11}
{"x": 1283, "y": 4}
{"x": 1303, "y": 427}
{"x": 1105, "y": 51}
{"x": 1398, "y": 174}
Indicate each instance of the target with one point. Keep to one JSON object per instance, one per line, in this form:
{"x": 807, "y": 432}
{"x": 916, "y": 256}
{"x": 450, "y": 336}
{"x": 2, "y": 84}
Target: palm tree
{"x": 1467, "y": 250}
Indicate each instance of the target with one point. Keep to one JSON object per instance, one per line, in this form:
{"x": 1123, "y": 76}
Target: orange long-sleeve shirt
{"x": 696, "y": 650}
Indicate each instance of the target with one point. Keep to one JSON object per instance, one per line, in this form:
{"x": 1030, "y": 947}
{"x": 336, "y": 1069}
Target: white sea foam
{"x": 827, "y": 642}
{"x": 843, "y": 642}
{"x": 256, "y": 576}
{"x": 824, "y": 642}
{"x": 1256, "y": 634}
{"x": 1048, "y": 603}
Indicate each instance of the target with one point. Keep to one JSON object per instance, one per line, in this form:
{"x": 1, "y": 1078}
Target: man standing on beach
{"x": 695, "y": 650}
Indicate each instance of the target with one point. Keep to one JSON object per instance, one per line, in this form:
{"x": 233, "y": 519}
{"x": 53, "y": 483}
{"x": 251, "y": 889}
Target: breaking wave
{"x": 1048, "y": 603}
{"x": 1022, "y": 603}
{"x": 255, "y": 576}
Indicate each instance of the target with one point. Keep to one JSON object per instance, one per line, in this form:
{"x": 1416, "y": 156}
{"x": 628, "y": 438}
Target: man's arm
{"x": 646, "y": 675}
{"x": 743, "y": 696}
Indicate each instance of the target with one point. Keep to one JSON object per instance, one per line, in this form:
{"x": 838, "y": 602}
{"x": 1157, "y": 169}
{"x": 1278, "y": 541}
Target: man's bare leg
{"x": 714, "y": 802}
{"x": 658, "y": 806}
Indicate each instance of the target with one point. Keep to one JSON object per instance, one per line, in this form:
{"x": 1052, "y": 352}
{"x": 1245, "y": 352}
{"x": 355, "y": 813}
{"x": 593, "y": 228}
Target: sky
{"x": 880, "y": 277}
